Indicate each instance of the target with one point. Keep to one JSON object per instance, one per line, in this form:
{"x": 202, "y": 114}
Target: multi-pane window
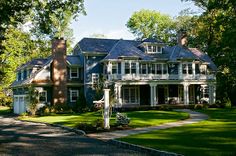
{"x": 130, "y": 95}
{"x": 197, "y": 69}
{"x": 187, "y": 68}
{"x": 133, "y": 68}
{"x": 43, "y": 96}
{"x": 127, "y": 68}
{"x": 74, "y": 94}
{"x": 95, "y": 77}
{"x": 114, "y": 68}
{"x": 74, "y": 72}
{"x": 154, "y": 49}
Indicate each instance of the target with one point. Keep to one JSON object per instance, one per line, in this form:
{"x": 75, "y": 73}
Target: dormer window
{"x": 154, "y": 49}
{"x": 74, "y": 73}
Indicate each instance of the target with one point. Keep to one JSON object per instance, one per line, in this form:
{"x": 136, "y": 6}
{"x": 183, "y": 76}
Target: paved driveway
{"x": 23, "y": 138}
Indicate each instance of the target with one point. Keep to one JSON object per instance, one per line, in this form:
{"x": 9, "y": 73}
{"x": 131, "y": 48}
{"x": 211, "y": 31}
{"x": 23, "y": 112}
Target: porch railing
{"x": 159, "y": 77}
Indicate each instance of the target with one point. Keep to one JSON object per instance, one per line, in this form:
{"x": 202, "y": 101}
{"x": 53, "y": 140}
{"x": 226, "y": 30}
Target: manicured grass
{"x": 216, "y": 136}
{"x": 138, "y": 118}
{"x": 4, "y": 110}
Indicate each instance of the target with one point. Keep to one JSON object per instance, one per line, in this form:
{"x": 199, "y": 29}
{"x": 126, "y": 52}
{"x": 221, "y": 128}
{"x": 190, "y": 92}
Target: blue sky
{"x": 109, "y": 17}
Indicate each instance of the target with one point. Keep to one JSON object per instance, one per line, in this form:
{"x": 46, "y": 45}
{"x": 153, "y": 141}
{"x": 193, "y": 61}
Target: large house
{"x": 144, "y": 72}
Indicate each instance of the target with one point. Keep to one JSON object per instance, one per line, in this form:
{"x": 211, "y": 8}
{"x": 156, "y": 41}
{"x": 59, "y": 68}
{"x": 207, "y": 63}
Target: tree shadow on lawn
{"x": 211, "y": 137}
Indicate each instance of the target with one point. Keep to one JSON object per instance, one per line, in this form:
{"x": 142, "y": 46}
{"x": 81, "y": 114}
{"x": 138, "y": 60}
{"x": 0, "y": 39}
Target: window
{"x": 153, "y": 68}
{"x": 127, "y": 68}
{"x": 119, "y": 68}
{"x": 130, "y": 95}
{"x": 95, "y": 77}
{"x": 187, "y": 68}
{"x": 143, "y": 68}
{"x": 158, "y": 66}
{"x": 19, "y": 76}
{"x": 133, "y": 68}
{"x": 164, "y": 68}
{"x": 114, "y": 68}
{"x": 173, "y": 69}
{"x": 74, "y": 94}
{"x": 74, "y": 73}
{"x": 43, "y": 96}
{"x": 197, "y": 69}
{"x": 154, "y": 49}
{"x": 25, "y": 74}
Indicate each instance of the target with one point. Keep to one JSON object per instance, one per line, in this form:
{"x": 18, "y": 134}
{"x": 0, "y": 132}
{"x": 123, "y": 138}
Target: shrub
{"x": 122, "y": 119}
{"x": 81, "y": 105}
{"x": 199, "y": 106}
{"x": 165, "y": 108}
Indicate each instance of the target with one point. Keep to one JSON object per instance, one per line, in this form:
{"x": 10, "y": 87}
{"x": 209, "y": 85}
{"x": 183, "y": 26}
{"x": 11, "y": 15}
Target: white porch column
{"x": 137, "y": 68}
{"x": 193, "y": 68}
{"x": 180, "y": 71}
{"x": 119, "y": 94}
{"x": 186, "y": 94}
{"x": 122, "y": 68}
{"x": 106, "y": 109}
{"x": 153, "y": 95}
{"x": 212, "y": 93}
{"x": 109, "y": 68}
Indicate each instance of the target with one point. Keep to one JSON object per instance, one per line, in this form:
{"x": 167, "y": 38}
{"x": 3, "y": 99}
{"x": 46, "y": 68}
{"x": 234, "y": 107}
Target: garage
{"x": 20, "y": 104}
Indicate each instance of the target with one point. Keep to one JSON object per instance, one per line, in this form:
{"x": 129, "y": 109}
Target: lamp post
{"x": 106, "y": 109}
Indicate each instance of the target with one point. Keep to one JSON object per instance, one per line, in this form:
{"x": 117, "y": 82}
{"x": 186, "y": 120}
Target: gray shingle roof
{"x": 74, "y": 60}
{"x": 204, "y": 57}
{"x": 34, "y": 62}
{"x": 124, "y": 48}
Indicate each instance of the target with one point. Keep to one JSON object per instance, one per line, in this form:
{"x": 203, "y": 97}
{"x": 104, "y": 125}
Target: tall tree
{"x": 151, "y": 24}
{"x": 215, "y": 31}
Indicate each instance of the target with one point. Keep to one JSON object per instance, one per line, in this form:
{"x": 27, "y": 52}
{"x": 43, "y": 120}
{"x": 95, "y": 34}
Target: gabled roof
{"x": 152, "y": 40}
{"x": 96, "y": 45}
{"x": 35, "y": 62}
{"x": 124, "y": 48}
{"x": 101, "y": 45}
{"x": 204, "y": 57}
{"x": 181, "y": 53}
{"x": 74, "y": 60}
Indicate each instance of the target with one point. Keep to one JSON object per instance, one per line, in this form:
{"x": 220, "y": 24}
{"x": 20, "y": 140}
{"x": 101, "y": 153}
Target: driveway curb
{"x": 142, "y": 149}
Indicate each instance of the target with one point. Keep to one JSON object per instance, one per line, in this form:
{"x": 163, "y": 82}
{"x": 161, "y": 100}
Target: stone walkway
{"x": 194, "y": 118}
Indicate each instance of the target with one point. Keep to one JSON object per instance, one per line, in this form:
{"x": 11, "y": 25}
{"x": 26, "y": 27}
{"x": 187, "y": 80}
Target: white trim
{"x": 77, "y": 70}
{"x": 77, "y": 93}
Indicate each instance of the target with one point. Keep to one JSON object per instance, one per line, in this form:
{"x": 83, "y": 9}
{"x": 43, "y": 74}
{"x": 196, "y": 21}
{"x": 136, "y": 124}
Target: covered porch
{"x": 156, "y": 94}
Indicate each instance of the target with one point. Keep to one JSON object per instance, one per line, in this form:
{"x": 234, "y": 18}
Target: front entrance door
{"x": 161, "y": 95}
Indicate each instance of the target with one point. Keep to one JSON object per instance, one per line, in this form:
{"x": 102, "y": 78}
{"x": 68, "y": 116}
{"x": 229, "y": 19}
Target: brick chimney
{"x": 182, "y": 38}
{"x": 59, "y": 72}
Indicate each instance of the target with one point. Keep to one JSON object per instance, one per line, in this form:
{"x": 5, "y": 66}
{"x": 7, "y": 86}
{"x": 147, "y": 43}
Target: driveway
{"x": 24, "y": 138}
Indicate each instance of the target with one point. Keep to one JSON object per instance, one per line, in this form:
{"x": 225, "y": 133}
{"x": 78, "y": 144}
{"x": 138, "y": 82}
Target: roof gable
{"x": 124, "y": 48}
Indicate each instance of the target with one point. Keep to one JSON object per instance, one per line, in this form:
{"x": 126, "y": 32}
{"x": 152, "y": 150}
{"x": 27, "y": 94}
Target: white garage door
{"x": 20, "y": 104}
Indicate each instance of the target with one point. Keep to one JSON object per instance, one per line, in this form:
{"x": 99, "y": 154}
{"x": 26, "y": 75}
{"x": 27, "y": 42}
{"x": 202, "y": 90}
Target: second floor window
{"x": 95, "y": 77}
{"x": 114, "y": 68}
{"x": 143, "y": 68}
{"x": 74, "y": 73}
{"x": 127, "y": 68}
{"x": 133, "y": 68}
{"x": 187, "y": 68}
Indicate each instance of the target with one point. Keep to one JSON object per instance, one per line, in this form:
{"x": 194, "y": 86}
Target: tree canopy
{"x": 151, "y": 24}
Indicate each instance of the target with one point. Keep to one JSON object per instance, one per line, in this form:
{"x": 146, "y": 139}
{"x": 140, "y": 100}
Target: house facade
{"x": 144, "y": 72}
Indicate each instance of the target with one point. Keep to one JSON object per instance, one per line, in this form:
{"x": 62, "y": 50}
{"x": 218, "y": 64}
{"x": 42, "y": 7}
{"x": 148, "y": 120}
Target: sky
{"x": 109, "y": 17}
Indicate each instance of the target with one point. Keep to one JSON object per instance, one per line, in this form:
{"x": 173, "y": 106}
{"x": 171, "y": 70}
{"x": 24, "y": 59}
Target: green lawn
{"x": 4, "y": 110}
{"x": 216, "y": 136}
{"x": 138, "y": 118}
